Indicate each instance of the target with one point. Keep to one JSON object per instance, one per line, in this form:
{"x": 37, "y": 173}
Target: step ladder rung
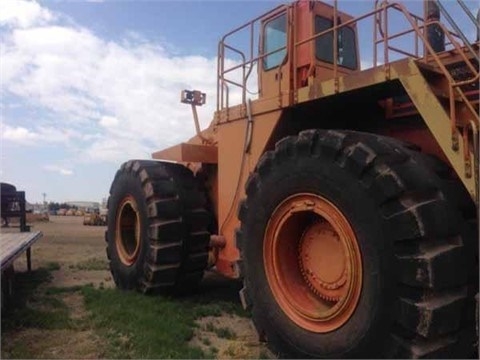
{"x": 429, "y": 68}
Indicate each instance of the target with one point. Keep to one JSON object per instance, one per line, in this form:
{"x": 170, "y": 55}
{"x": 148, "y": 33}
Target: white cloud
{"x": 109, "y": 121}
{"x": 121, "y": 95}
{"x": 114, "y": 149}
{"x": 39, "y": 136}
{"x": 18, "y": 134}
{"x": 23, "y": 14}
{"x": 58, "y": 169}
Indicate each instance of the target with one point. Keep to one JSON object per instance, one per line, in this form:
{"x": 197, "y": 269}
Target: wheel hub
{"x": 323, "y": 261}
{"x": 313, "y": 263}
{"x": 127, "y": 234}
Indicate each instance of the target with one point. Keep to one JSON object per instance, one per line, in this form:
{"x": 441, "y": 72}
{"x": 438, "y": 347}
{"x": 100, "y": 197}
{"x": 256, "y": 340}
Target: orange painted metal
{"x": 239, "y": 134}
{"x": 127, "y": 232}
{"x": 304, "y": 53}
{"x": 185, "y": 152}
{"x": 422, "y": 137}
{"x": 234, "y": 167}
{"x": 313, "y": 262}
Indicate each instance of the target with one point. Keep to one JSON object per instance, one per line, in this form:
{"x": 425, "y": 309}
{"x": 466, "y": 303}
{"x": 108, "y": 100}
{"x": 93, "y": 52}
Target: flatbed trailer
{"x": 12, "y": 245}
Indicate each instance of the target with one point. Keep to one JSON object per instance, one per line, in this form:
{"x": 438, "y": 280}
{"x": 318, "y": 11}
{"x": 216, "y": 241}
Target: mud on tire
{"x": 418, "y": 251}
{"x": 157, "y": 238}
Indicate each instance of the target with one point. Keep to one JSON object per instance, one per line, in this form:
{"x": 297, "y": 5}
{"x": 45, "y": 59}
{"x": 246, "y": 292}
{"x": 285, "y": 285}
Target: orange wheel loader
{"x": 346, "y": 199}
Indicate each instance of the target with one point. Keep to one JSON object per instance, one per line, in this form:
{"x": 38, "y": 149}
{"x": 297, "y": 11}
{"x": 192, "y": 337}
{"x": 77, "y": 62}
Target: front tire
{"x": 352, "y": 248}
{"x": 157, "y": 238}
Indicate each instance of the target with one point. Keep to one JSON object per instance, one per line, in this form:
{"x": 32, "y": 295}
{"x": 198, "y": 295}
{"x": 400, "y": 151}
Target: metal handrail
{"x": 243, "y": 65}
{"x": 250, "y": 62}
{"x": 469, "y": 13}
{"x": 457, "y": 29}
{"x": 381, "y": 15}
{"x": 381, "y": 36}
{"x": 452, "y": 85}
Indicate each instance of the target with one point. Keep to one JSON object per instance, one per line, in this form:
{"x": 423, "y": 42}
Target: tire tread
{"x": 409, "y": 188}
{"x": 177, "y": 227}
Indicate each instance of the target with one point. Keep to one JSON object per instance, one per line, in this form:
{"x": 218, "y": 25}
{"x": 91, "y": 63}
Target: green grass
{"x": 52, "y": 265}
{"x": 40, "y": 319}
{"x": 230, "y": 351}
{"x": 225, "y": 333}
{"x": 53, "y": 290}
{"x": 91, "y": 264}
{"x": 139, "y": 326}
{"x": 34, "y": 308}
{"x": 25, "y": 284}
{"x": 222, "y": 332}
{"x": 210, "y": 327}
{"x": 132, "y": 325}
{"x": 18, "y": 350}
{"x": 215, "y": 300}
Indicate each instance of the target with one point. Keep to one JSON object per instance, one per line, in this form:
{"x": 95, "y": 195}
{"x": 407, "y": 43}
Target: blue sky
{"x": 86, "y": 85}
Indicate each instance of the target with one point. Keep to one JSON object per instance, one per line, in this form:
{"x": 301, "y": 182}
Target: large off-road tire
{"x": 156, "y": 228}
{"x": 352, "y": 245}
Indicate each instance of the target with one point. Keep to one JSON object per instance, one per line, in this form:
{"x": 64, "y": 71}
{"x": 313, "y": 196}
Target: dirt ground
{"x": 80, "y": 252}
{"x": 68, "y": 242}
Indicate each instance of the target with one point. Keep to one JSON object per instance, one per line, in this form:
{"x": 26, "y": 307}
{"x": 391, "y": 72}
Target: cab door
{"x": 274, "y": 69}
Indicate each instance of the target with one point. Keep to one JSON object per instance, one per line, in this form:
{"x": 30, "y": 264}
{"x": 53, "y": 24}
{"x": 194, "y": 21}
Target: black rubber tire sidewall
{"x": 126, "y": 184}
{"x": 369, "y": 323}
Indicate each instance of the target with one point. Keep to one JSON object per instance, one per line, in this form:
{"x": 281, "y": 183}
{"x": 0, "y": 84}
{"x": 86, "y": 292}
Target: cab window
{"x": 347, "y": 55}
{"x": 275, "y": 38}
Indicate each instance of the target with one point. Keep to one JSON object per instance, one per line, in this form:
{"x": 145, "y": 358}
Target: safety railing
{"x": 382, "y": 37}
{"x": 247, "y": 63}
{"x": 421, "y": 50}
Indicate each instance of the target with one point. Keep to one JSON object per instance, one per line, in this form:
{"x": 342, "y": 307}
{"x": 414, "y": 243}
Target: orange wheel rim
{"x": 127, "y": 234}
{"x": 313, "y": 262}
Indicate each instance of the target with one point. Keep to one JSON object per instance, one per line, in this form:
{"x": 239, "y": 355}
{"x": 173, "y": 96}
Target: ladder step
{"x": 442, "y": 94}
{"x": 430, "y": 69}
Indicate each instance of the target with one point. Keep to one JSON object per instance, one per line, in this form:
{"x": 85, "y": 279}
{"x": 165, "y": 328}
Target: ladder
{"x": 450, "y": 96}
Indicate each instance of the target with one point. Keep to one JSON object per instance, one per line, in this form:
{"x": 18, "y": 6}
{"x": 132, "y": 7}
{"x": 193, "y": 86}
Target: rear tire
{"x": 417, "y": 254}
{"x": 157, "y": 238}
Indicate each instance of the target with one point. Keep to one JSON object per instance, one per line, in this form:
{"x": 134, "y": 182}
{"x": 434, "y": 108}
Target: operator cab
{"x": 287, "y": 60}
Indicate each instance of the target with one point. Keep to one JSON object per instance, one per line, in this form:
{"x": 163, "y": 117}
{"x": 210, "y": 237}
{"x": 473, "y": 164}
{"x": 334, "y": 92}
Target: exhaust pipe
{"x": 478, "y": 25}
{"x": 435, "y": 35}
